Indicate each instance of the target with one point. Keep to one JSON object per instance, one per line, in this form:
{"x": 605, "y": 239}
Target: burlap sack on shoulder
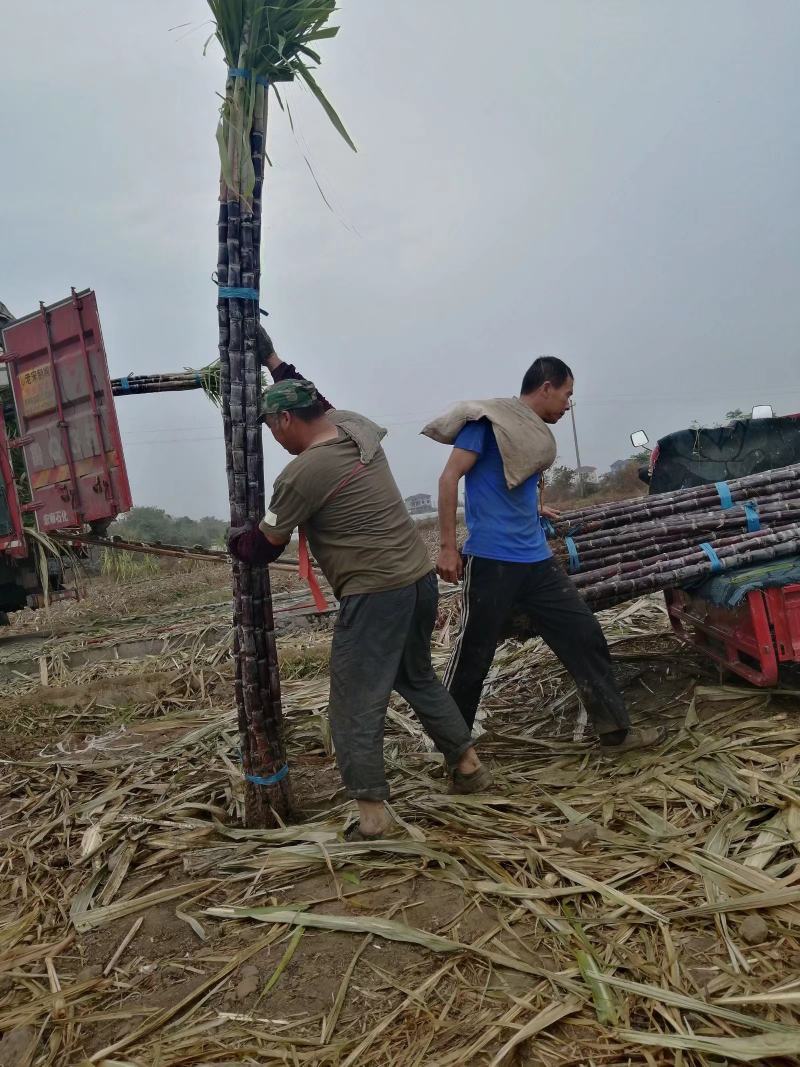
{"x": 525, "y": 441}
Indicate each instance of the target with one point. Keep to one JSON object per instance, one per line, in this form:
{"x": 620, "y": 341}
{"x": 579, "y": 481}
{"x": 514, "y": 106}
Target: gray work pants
{"x": 381, "y": 642}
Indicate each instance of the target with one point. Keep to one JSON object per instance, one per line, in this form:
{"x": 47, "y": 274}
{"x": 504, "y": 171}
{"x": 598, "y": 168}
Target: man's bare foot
{"x": 468, "y": 762}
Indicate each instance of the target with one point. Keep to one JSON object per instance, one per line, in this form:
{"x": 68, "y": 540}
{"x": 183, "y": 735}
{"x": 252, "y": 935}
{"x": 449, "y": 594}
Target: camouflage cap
{"x": 288, "y": 395}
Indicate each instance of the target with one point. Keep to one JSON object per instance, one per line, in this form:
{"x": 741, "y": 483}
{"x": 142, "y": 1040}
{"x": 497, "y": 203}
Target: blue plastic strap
{"x": 724, "y": 491}
{"x": 235, "y": 292}
{"x": 271, "y": 779}
{"x": 751, "y": 513}
{"x": 125, "y": 385}
{"x": 198, "y": 378}
{"x": 574, "y": 558}
{"x": 716, "y": 563}
{"x": 243, "y": 72}
{"x": 549, "y": 529}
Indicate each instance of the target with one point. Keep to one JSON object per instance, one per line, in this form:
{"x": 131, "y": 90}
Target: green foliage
{"x": 272, "y": 40}
{"x": 564, "y": 487}
{"x": 210, "y": 381}
{"x": 154, "y": 524}
{"x": 126, "y": 566}
{"x": 562, "y": 479}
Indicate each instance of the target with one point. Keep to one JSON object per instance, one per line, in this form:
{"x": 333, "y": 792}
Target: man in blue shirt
{"x": 508, "y": 570}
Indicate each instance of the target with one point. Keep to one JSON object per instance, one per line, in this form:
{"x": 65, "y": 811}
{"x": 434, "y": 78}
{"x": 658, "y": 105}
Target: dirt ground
{"x": 586, "y": 911}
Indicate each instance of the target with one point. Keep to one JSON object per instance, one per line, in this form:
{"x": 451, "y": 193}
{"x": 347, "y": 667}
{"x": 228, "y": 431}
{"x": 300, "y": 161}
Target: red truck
{"x": 61, "y": 458}
{"x": 747, "y": 620}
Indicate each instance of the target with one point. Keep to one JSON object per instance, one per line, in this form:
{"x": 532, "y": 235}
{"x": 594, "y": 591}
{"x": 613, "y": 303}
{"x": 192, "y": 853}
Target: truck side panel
{"x": 68, "y": 426}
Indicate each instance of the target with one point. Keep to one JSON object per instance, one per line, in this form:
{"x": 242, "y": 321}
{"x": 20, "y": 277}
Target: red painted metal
{"x": 752, "y": 639}
{"x": 12, "y": 536}
{"x": 783, "y": 605}
{"x": 68, "y": 428}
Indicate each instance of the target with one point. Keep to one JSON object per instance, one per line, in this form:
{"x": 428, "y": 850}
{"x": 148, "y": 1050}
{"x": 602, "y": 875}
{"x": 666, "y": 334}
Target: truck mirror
{"x": 762, "y": 411}
{"x": 639, "y": 439}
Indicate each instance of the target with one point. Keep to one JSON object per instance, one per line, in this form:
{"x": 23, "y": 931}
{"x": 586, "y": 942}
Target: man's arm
{"x": 547, "y": 513}
{"x": 449, "y": 563}
{"x": 279, "y": 370}
{"x": 287, "y": 510}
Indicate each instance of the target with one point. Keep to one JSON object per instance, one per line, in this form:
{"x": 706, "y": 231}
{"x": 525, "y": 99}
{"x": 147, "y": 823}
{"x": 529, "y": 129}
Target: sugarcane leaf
{"x": 744, "y": 1049}
{"x": 222, "y": 142}
{"x": 603, "y": 1000}
{"x": 285, "y": 960}
{"x": 323, "y": 34}
{"x": 315, "y": 56}
{"x": 327, "y": 107}
{"x": 386, "y": 928}
{"x": 543, "y": 1020}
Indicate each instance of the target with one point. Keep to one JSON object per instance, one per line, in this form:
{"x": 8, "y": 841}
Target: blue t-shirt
{"x": 502, "y": 523}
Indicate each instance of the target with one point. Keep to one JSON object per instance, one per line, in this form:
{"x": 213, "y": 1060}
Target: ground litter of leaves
{"x": 589, "y": 910}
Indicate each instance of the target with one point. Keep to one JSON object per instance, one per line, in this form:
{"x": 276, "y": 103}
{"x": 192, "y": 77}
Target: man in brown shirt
{"x": 340, "y": 491}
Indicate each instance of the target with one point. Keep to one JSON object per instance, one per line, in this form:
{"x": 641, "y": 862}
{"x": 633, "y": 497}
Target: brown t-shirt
{"x": 362, "y": 536}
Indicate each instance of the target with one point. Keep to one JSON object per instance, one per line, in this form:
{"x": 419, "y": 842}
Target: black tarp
{"x": 696, "y": 457}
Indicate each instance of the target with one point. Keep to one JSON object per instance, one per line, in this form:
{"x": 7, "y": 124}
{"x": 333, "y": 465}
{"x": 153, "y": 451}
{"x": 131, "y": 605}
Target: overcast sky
{"x": 615, "y": 183}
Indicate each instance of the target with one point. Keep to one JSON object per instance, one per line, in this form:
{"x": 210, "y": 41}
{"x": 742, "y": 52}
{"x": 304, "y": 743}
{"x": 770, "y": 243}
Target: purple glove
{"x": 249, "y": 545}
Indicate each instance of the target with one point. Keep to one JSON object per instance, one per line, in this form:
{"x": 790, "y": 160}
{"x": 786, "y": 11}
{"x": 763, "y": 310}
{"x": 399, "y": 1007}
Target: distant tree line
{"x": 562, "y": 484}
{"x": 154, "y": 524}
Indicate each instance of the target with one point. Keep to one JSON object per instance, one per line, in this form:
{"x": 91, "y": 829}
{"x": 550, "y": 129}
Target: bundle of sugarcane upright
{"x": 262, "y": 44}
{"x": 622, "y": 549}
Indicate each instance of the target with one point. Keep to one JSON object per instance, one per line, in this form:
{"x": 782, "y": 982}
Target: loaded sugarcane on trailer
{"x": 747, "y": 619}
{"x": 719, "y": 534}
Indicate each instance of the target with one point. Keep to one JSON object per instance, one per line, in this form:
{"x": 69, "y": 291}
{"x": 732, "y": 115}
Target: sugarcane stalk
{"x": 664, "y": 559}
{"x": 637, "y": 509}
{"x": 635, "y": 562}
{"x": 756, "y": 548}
{"x": 257, "y": 685}
{"x": 602, "y": 540}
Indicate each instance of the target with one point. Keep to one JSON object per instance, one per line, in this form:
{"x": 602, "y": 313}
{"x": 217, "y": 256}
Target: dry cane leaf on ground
{"x": 487, "y": 937}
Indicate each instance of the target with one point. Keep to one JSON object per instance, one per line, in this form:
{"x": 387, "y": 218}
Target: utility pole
{"x": 577, "y": 452}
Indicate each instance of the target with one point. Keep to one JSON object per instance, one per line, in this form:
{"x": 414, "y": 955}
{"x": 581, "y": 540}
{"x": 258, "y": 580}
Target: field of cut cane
{"x": 642, "y": 910}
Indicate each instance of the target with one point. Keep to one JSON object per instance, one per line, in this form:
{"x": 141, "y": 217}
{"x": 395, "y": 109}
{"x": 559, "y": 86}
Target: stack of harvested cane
{"x": 622, "y": 549}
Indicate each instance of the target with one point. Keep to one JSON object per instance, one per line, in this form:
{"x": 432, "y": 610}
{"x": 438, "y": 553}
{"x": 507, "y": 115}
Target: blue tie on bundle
{"x": 574, "y": 558}
{"x": 751, "y": 513}
{"x": 271, "y": 779}
{"x": 243, "y": 72}
{"x": 716, "y": 563}
{"x": 237, "y": 292}
{"x": 724, "y": 490}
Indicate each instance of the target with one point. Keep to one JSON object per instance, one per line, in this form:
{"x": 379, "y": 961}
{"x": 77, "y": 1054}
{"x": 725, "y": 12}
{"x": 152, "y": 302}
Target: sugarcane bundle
{"x": 694, "y": 565}
{"x": 262, "y": 44}
{"x": 782, "y": 481}
{"x": 206, "y": 378}
{"x": 619, "y": 550}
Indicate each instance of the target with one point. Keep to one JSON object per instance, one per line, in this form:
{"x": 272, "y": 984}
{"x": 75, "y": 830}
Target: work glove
{"x": 248, "y": 544}
{"x": 264, "y": 345}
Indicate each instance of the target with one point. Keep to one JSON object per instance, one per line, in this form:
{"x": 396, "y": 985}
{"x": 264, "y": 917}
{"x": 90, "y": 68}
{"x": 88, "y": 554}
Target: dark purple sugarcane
{"x": 659, "y": 508}
{"x": 256, "y": 684}
{"x": 155, "y": 383}
{"x": 769, "y": 512}
{"x": 696, "y": 498}
{"x": 757, "y": 548}
{"x": 763, "y": 478}
{"x": 633, "y": 562}
{"x": 663, "y": 560}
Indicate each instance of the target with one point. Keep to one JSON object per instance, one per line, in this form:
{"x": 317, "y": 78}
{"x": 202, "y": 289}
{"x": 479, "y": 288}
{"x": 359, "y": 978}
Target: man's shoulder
{"x": 477, "y": 435}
